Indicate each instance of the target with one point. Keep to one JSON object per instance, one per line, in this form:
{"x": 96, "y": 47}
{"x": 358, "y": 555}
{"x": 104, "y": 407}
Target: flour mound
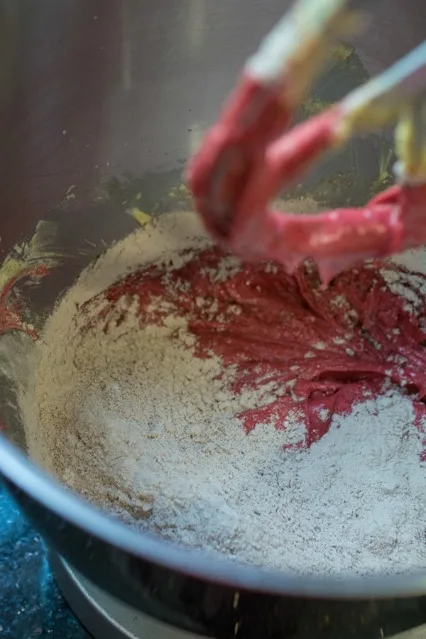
{"x": 131, "y": 419}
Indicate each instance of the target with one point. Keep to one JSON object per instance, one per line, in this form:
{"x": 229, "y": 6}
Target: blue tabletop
{"x": 31, "y": 606}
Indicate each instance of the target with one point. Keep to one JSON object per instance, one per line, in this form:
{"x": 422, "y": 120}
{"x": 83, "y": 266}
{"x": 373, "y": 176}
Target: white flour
{"x": 134, "y": 422}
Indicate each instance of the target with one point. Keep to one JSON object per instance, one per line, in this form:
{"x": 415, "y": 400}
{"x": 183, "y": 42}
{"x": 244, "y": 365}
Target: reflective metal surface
{"x": 101, "y": 103}
{"x": 105, "y": 616}
{"x": 91, "y": 89}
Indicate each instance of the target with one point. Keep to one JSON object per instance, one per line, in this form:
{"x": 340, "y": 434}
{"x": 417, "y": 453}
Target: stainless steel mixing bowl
{"x": 101, "y": 104}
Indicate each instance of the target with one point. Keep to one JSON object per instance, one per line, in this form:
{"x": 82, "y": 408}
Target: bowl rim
{"x": 36, "y": 483}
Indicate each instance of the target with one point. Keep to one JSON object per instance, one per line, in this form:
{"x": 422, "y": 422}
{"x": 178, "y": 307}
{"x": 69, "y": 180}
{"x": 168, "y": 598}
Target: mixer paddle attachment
{"x": 410, "y": 171}
{"x": 245, "y": 159}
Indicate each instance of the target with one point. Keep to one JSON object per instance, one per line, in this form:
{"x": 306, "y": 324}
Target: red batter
{"x": 325, "y": 348}
{"x": 10, "y": 311}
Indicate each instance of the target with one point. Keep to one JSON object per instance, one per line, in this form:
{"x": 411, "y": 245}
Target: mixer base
{"x": 105, "y": 616}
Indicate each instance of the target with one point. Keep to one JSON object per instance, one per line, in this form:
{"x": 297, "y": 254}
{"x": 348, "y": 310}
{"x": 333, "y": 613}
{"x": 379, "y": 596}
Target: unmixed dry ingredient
{"x": 155, "y": 398}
